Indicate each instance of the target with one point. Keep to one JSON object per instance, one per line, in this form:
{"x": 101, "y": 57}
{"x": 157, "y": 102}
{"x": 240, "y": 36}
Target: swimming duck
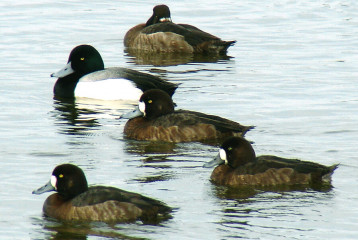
{"x": 155, "y": 119}
{"x": 76, "y": 201}
{"x": 85, "y": 76}
{"x": 160, "y": 34}
{"x": 239, "y": 167}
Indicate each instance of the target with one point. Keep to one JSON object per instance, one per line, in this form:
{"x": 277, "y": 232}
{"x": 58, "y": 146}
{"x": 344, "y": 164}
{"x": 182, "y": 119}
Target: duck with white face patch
{"x": 159, "y": 34}
{"x": 238, "y": 166}
{"x": 155, "y": 119}
{"x": 75, "y": 201}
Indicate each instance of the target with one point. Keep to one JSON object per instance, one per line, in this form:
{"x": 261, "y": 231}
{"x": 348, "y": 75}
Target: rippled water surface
{"x": 292, "y": 74}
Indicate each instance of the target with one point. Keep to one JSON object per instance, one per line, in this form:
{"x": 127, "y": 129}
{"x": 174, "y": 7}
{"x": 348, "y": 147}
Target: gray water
{"x": 293, "y": 74}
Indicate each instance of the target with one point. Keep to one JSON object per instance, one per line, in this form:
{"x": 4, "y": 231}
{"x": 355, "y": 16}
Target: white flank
{"x": 109, "y": 89}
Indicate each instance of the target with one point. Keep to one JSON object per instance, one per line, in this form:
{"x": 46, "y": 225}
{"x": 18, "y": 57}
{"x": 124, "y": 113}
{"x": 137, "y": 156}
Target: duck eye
{"x": 229, "y": 149}
{"x": 82, "y": 59}
{"x": 60, "y": 176}
{"x": 150, "y": 101}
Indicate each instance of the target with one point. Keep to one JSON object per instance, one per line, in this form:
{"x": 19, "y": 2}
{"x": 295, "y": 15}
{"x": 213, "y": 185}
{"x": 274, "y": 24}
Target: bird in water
{"x": 160, "y": 34}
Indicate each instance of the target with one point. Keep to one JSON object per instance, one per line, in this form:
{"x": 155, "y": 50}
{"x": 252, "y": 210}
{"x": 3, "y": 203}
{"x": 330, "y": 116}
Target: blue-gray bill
{"x": 65, "y": 71}
{"x": 216, "y": 161}
{"x": 46, "y": 188}
{"x": 132, "y": 114}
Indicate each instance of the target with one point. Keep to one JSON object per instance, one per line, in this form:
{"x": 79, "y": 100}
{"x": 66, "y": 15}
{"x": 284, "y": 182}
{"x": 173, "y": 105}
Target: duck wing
{"x": 101, "y": 194}
{"x": 266, "y": 162}
{"x": 187, "y": 118}
{"x": 124, "y": 206}
{"x": 193, "y": 35}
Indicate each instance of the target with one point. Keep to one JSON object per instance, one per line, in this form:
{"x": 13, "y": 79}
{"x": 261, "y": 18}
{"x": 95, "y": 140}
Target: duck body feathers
{"x": 183, "y": 126}
{"x": 270, "y": 171}
{"x": 171, "y": 37}
{"x": 107, "y": 204}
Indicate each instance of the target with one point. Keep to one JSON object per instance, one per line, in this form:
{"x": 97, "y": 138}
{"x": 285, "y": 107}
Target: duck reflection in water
{"x": 82, "y": 115}
{"x": 74, "y": 120}
{"x": 172, "y": 59}
{"x": 65, "y": 231}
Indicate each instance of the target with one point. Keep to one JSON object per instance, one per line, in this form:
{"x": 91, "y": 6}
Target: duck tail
{"x": 327, "y": 178}
{"x": 225, "y": 45}
{"x": 246, "y": 129}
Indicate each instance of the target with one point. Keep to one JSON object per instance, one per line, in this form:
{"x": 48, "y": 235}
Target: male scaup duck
{"x": 239, "y": 167}
{"x": 76, "y": 201}
{"x": 155, "y": 119}
{"x": 85, "y": 76}
{"x": 160, "y": 34}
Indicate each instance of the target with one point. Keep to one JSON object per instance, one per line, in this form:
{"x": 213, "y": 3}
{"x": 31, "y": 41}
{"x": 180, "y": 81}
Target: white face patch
{"x": 222, "y": 155}
{"x": 165, "y": 20}
{"x": 54, "y": 181}
{"x": 141, "y": 107}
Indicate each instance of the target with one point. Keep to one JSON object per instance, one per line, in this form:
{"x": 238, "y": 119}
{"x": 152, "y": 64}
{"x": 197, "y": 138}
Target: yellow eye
{"x": 150, "y": 101}
{"x": 82, "y": 59}
{"x": 229, "y": 149}
{"x": 60, "y": 176}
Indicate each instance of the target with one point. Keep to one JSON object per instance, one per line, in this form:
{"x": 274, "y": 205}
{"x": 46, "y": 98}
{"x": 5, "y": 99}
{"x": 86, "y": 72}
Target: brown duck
{"x": 155, "y": 119}
{"x": 160, "y": 34}
{"x": 75, "y": 201}
{"x": 239, "y": 167}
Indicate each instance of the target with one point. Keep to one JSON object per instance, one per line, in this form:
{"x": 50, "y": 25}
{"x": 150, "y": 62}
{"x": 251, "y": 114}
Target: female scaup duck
{"x": 76, "y": 201}
{"x": 160, "y": 34}
{"x": 239, "y": 167}
{"x": 155, "y": 119}
{"x": 85, "y": 76}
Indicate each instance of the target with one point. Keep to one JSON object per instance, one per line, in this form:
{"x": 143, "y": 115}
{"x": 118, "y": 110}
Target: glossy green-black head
{"x": 161, "y": 13}
{"x": 234, "y": 152}
{"x": 68, "y": 180}
{"x": 83, "y": 59}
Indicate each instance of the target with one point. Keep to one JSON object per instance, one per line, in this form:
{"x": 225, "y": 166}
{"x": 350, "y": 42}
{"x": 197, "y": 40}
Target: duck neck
{"x": 65, "y": 87}
{"x": 151, "y": 21}
{"x": 72, "y": 192}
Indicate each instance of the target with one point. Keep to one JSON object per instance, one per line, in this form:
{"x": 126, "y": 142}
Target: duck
{"x": 74, "y": 200}
{"x": 84, "y": 75}
{"x": 160, "y": 34}
{"x": 155, "y": 119}
{"x": 238, "y": 166}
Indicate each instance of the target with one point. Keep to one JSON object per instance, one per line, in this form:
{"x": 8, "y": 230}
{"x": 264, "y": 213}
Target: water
{"x": 292, "y": 74}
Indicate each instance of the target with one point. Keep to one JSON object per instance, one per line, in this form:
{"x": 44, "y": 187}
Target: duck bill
{"x": 65, "y": 71}
{"x": 216, "y": 161}
{"x": 46, "y": 188}
{"x": 133, "y": 114}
